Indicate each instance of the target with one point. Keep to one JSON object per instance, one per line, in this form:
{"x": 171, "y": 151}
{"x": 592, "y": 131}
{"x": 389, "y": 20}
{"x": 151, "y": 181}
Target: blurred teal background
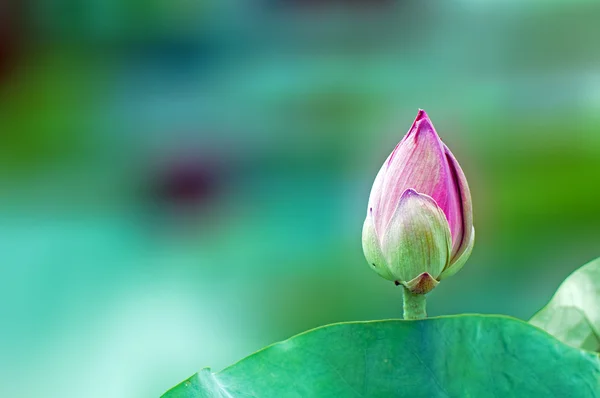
{"x": 184, "y": 182}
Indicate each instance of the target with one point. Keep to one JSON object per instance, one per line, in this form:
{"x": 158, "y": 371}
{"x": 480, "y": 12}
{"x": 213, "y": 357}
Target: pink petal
{"x": 459, "y": 245}
{"x": 418, "y": 162}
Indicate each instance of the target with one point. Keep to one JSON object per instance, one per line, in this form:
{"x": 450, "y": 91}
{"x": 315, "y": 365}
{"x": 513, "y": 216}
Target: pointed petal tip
{"x": 422, "y": 127}
{"x": 421, "y": 115}
{"x": 408, "y": 193}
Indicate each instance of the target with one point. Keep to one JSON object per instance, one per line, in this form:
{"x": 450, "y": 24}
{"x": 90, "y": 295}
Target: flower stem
{"x": 414, "y": 305}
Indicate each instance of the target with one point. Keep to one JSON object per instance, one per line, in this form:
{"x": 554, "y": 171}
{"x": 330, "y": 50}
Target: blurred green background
{"x": 184, "y": 182}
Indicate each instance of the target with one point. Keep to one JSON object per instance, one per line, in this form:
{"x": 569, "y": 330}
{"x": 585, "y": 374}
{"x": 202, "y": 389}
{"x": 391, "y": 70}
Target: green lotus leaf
{"x": 456, "y": 356}
{"x": 573, "y": 313}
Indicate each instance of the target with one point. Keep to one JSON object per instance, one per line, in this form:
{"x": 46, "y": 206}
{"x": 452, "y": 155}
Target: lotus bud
{"x": 419, "y": 224}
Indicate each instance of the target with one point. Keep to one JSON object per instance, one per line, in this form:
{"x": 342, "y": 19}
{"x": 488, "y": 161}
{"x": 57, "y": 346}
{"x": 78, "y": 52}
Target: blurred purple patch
{"x": 188, "y": 182}
{"x": 11, "y": 35}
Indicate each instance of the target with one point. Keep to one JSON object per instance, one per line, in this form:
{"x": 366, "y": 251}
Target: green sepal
{"x": 417, "y": 239}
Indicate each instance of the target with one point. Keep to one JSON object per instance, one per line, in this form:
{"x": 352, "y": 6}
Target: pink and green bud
{"x": 419, "y": 225}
